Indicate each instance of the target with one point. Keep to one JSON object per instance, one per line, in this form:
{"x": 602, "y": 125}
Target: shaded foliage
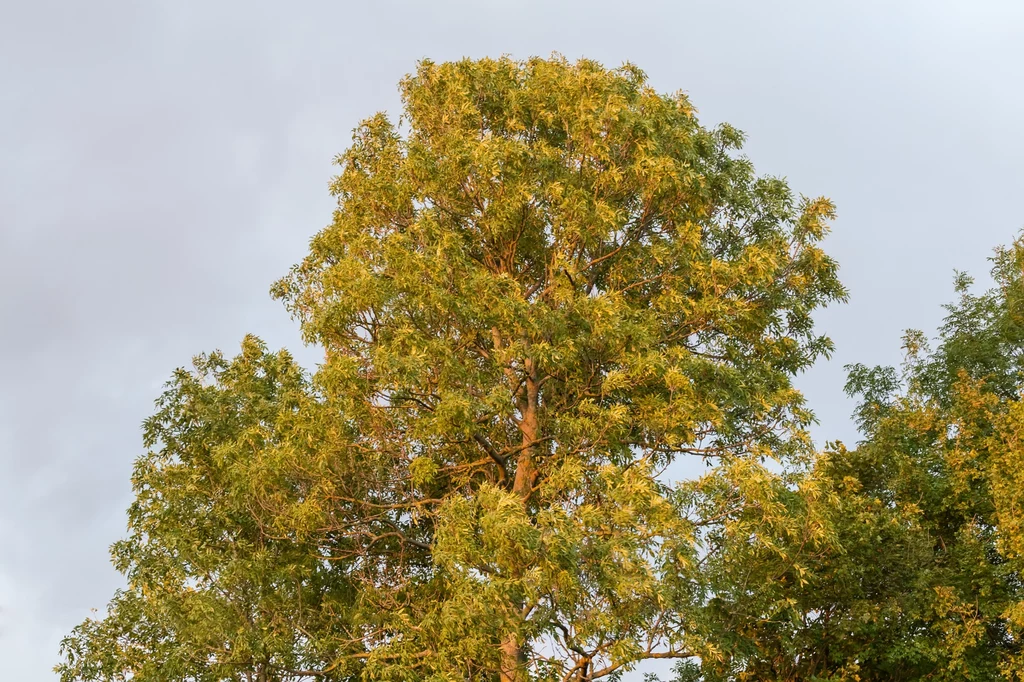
{"x": 923, "y": 580}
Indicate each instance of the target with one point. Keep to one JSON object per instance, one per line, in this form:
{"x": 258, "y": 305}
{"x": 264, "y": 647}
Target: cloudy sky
{"x": 161, "y": 163}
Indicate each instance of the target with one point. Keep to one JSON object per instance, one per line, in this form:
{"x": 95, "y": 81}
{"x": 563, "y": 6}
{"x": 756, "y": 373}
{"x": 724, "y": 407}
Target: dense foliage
{"x": 541, "y": 294}
{"x": 923, "y": 579}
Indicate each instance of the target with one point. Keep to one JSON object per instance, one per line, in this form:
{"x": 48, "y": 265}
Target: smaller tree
{"x": 219, "y": 586}
{"x": 923, "y": 580}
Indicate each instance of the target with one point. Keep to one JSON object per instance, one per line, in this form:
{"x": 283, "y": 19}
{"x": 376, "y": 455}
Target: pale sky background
{"x": 161, "y": 163}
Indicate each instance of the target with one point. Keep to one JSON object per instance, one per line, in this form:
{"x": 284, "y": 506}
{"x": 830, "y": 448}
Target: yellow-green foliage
{"x": 542, "y": 287}
{"x": 921, "y": 579}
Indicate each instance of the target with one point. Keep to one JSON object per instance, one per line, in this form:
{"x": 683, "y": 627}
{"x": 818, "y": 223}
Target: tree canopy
{"x": 922, "y": 579}
{"x": 543, "y": 289}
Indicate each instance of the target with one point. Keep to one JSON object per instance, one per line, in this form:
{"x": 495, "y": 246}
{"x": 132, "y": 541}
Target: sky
{"x": 162, "y": 163}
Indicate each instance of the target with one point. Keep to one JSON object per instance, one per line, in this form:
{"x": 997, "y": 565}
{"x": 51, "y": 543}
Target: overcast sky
{"x": 161, "y": 163}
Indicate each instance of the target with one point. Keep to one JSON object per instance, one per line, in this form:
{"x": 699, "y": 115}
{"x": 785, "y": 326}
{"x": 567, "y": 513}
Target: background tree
{"x": 923, "y": 579}
{"x": 537, "y": 293}
{"x": 219, "y": 587}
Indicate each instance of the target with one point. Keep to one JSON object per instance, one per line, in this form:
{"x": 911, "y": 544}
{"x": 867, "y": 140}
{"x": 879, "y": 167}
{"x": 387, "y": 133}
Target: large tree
{"x": 541, "y": 290}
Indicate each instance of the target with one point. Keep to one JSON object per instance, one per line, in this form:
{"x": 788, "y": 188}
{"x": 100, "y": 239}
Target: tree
{"x": 537, "y": 293}
{"x": 923, "y": 577}
{"x": 219, "y": 588}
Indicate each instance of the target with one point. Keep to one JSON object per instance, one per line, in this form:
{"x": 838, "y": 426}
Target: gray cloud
{"x": 163, "y": 163}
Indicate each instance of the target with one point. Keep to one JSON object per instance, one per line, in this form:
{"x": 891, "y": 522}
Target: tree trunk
{"x": 513, "y": 659}
{"x": 526, "y": 465}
